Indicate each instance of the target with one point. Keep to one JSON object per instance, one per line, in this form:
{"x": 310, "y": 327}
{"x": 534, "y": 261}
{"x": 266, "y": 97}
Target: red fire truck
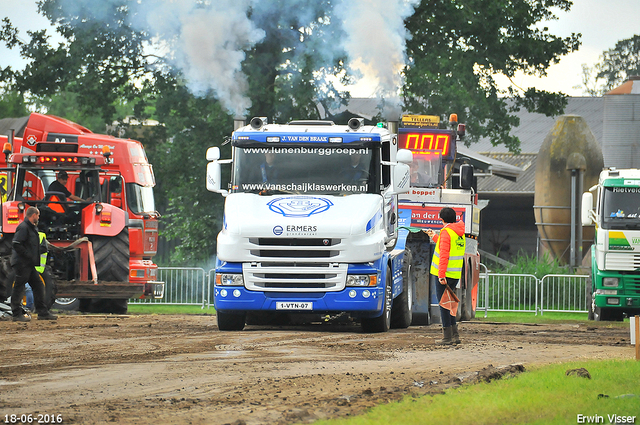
{"x": 101, "y": 248}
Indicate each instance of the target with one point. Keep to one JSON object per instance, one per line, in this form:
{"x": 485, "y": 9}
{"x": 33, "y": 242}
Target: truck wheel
{"x": 381, "y": 323}
{"x": 67, "y": 304}
{"x": 230, "y": 321}
{"x": 6, "y": 282}
{"x": 112, "y": 264}
{"x": 402, "y": 310}
{"x": 608, "y": 314}
{"x": 466, "y": 302}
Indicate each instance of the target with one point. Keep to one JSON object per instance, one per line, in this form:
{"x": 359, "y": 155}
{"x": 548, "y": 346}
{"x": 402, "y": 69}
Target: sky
{"x": 602, "y": 24}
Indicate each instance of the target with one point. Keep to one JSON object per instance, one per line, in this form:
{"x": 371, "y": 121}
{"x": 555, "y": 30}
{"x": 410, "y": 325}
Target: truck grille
{"x": 625, "y": 262}
{"x": 632, "y": 284}
{"x": 285, "y": 277}
{"x": 280, "y": 248}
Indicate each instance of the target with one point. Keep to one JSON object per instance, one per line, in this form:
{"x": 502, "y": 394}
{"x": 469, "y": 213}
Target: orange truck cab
{"x": 104, "y": 241}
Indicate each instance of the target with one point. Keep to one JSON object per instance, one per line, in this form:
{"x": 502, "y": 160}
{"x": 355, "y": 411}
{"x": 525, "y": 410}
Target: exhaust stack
{"x": 238, "y": 122}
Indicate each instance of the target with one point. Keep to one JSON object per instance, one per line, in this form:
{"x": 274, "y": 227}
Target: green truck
{"x": 614, "y": 289}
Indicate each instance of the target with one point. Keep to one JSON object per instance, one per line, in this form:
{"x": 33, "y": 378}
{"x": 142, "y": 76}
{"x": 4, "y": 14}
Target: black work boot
{"x": 447, "y": 336}
{"x": 22, "y": 316}
{"x": 455, "y": 337}
{"x": 47, "y": 316}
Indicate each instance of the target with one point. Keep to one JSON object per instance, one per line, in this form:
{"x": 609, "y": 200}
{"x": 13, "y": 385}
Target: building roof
{"x": 534, "y": 127}
{"x": 524, "y": 185}
{"x": 489, "y": 165}
{"x": 631, "y": 86}
{"x": 17, "y": 124}
{"x": 532, "y": 130}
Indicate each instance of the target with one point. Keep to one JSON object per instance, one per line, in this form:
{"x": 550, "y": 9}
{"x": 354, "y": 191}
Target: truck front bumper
{"x": 352, "y": 299}
{"x": 613, "y": 301}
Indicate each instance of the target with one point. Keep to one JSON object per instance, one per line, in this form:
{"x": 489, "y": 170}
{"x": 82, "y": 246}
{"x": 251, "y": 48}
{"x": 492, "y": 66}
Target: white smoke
{"x": 207, "y": 42}
{"x": 375, "y": 43}
{"x": 207, "y": 39}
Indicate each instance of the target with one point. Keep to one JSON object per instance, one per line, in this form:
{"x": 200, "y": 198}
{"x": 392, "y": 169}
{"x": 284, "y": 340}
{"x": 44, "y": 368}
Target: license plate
{"x": 294, "y": 306}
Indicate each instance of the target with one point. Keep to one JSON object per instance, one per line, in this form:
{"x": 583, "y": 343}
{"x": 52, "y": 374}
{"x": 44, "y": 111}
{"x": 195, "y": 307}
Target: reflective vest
{"x": 456, "y": 255}
{"x": 43, "y": 256}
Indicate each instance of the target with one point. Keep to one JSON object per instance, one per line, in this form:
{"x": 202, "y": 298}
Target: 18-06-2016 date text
{"x": 40, "y": 418}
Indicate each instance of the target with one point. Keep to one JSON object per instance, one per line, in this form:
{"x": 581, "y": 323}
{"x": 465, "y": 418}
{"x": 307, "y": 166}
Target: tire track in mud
{"x": 178, "y": 369}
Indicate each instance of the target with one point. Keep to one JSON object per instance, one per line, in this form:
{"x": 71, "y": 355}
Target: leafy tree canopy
{"x": 616, "y": 66}
{"x": 457, "y": 47}
{"x": 274, "y": 58}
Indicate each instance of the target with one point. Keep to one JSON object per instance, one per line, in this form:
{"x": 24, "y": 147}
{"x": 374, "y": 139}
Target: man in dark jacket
{"x": 24, "y": 259}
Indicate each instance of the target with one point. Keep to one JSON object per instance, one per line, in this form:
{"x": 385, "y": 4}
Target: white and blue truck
{"x": 312, "y": 226}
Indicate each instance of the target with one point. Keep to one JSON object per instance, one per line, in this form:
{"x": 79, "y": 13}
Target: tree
{"x": 192, "y": 66}
{"x": 457, "y": 47}
{"x": 12, "y": 104}
{"x": 615, "y": 67}
{"x": 620, "y": 63}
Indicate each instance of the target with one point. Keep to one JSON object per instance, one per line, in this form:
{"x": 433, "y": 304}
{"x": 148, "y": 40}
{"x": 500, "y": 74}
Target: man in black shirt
{"x": 60, "y": 185}
{"x": 25, "y": 257}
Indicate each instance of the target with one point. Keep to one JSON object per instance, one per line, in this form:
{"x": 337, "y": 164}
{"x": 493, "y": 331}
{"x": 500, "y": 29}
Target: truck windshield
{"x": 330, "y": 170}
{"x": 621, "y": 208}
{"x": 140, "y": 198}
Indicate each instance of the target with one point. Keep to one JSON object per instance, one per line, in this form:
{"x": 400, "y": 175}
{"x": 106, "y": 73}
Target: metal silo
{"x": 569, "y": 162}
{"x": 621, "y": 126}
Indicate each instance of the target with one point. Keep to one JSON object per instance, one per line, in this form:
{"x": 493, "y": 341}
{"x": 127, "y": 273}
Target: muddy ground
{"x": 152, "y": 369}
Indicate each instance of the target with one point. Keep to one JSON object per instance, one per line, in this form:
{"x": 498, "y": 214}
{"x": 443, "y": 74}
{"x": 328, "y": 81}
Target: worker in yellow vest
{"x": 447, "y": 266}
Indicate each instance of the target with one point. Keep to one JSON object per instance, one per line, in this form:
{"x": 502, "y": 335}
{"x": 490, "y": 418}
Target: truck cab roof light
{"x": 106, "y": 152}
{"x": 273, "y": 139}
{"x": 335, "y": 139}
{"x": 7, "y": 148}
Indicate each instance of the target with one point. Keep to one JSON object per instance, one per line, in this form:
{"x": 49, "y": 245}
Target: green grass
{"x": 528, "y": 264}
{"x": 169, "y": 309}
{"x": 540, "y": 396}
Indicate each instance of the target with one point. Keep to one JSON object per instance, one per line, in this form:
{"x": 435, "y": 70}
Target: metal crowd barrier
{"x": 182, "y": 286}
{"x": 527, "y": 293}
{"x": 496, "y": 291}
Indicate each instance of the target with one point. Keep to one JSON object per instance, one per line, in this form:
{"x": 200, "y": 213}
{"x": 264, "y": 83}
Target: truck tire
{"x": 466, "y": 302}
{"x": 112, "y": 264}
{"x": 402, "y": 309}
{"x": 67, "y": 304}
{"x": 6, "y": 280}
{"x": 230, "y": 321}
{"x": 381, "y": 323}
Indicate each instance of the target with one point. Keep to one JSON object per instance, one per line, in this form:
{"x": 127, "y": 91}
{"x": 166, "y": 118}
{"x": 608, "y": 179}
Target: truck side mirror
{"x": 214, "y": 173}
{"x": 404, "y": 156}
{"x": 466, "y": 176}
{"x": 587, "y": 206}
{"x": 213, "y": 153}
{"x": 401, "y": 178}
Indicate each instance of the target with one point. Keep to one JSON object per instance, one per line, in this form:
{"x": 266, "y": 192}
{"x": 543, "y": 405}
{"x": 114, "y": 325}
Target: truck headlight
{"x": 610, "y": 281}
{"x": 229, "y": 279}
{"x": 362, "y": 280}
